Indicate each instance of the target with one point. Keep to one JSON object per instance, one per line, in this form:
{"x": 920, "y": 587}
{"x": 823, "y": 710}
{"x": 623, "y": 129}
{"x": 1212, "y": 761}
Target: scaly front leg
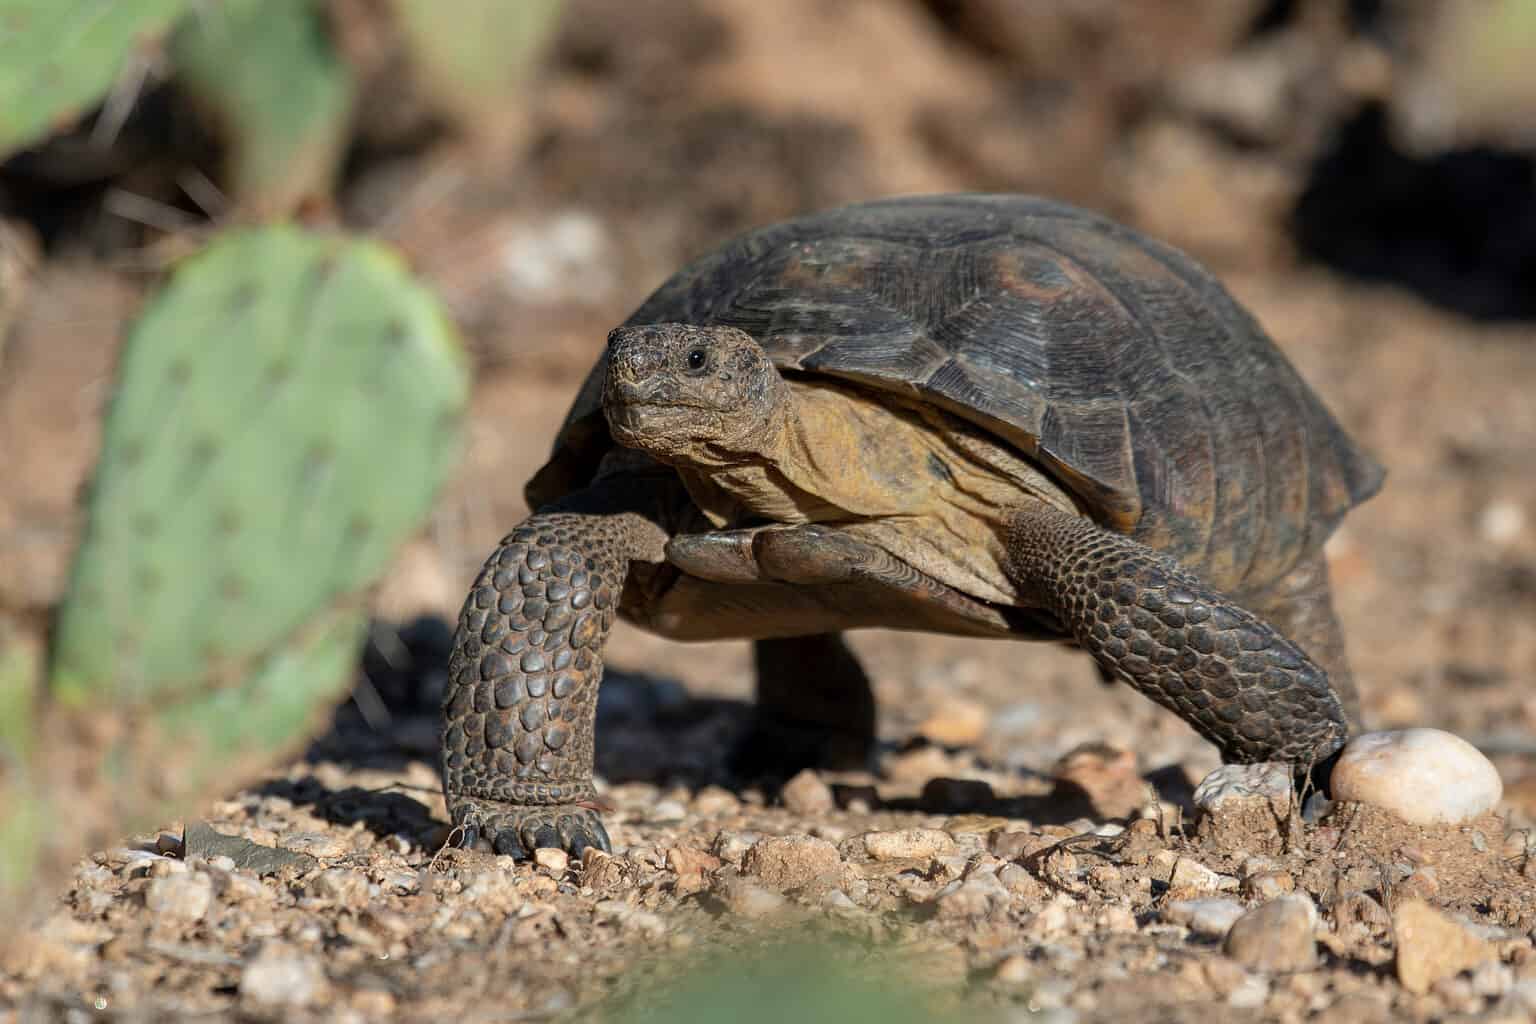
{"x": 519, "y": 711}
{"x": 1149, "y": 621}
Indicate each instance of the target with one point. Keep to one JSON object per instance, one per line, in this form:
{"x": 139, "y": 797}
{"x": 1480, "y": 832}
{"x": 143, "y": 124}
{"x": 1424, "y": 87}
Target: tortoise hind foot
{"x": 1228, "y": 673}
{"x": 774, "y": 748}
{"x": 815, "y": 709}
{"x": 518, "y": 830}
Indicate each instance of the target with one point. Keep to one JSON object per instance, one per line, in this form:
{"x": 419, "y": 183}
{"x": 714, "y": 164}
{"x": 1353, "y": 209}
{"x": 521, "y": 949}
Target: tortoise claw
{"x": 517, "y": 831}
{"x": 509, "y": 844}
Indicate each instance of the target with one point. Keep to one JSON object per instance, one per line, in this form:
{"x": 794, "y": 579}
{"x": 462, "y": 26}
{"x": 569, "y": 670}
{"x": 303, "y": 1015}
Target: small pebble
{"x": 1502, "y": 522}
{"x": 668, "y": 810}
{"x": 316, "y": 844}
{"x": 1191, "y": 874}
{"x": 975, "y": 897}
{"x": 344, "y": 887}
{"x": 277, "y": 976}
{"x": 1051, "y": 921}
{"x": 1235, "y": 784}
{"x": 552, "y": 860}
{"x": 1276, "y": 936}
{"x": 1245, "y": 806}
{"x": 1107, "y": 777}
{"x": 713, "y": 801}
{"x": 733, "y": 846}
{"x": 693, "y": 868}
{"x": 1491, "y": 979}
{"x": 1266, "y": 885}
{"x": 1432, "y": 947}
{"x": 909, "y": 844}
{"x": 919, "y": 765}
{"x": 1212, "y": 918}
{"x": 184, "y": 897}
{"x": 1013, "y": 970}
{"x": 373, "y": 1003}
{"x": 958, "y": 722}
{"x": 1359, "y": 910}
{"x": 807, "y": 794}
{"x": 838, "y": 901}
{"x": 792, "y": 862}
{"x": 1421, "y": 883}
{"x": 241, "y": 888}
{"x": 746, "y": 898}
{"x": 1424, "y": 776}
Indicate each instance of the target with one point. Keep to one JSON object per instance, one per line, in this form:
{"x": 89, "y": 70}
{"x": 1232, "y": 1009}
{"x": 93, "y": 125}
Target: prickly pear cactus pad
{"x": 287, "y": 408}
{"x": 60, "y": 57}
{"x": 277, "y": 91}
{"x": 473, "y": 63}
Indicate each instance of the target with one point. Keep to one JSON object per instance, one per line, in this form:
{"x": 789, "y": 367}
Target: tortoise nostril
{"x": 634, "y": 353}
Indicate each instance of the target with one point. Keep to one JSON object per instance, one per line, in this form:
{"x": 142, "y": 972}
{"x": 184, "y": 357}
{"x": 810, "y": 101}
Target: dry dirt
{"x": 1041, "y": 883}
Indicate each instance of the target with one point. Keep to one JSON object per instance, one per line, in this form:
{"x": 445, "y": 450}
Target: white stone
{"x": 1424, "y": 776}
{"x": 1239, "y": 784}
{"x": 909, "y": 844}
{"x": 554, "y": 861}
{"x": 1275, "y": 936}
{"x": 1191, "y": 874}
{"x": 1502, "y": 522}
{"x": 1209, "y": 917}
{"x": 183, "y": 897}
{"x": 279, "y": 976}
{"x": 807, "y": 794}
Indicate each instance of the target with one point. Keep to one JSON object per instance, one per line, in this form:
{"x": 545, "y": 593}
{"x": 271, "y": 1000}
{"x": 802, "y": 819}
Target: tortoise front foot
{"x": 518, "y": 830}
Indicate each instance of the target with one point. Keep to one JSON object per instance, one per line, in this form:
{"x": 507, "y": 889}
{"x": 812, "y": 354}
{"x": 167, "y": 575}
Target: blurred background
{"x": 1361, "y": 174}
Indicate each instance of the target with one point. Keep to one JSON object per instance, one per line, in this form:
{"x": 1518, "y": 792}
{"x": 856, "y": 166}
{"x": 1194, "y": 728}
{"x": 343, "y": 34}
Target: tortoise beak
{"x": 642, "y": 424}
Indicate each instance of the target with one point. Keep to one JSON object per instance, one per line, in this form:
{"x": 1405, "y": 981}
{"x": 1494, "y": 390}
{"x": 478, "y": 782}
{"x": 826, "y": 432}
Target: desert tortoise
{"x": 976, "y": 414}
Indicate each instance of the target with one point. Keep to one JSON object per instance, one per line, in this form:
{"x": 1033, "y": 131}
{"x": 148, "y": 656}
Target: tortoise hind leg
{"x": 815, "y": 709}
{"x": 1228, "y": 673}
{"x": 1301, "y": 606}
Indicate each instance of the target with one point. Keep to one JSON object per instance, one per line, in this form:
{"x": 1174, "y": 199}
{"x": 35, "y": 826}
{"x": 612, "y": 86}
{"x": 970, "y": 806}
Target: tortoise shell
{"x": 1116, "y": 363}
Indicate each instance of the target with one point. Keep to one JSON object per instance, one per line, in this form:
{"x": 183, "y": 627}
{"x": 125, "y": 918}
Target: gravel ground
{"x": 1088, "y": 893}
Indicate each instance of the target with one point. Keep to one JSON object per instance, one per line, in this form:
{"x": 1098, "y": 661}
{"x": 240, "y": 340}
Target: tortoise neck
{"x": 766, "y": 427}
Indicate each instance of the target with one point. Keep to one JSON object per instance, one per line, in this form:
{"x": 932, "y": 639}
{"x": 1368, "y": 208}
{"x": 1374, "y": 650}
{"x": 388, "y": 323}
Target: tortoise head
{"x": 692, "y": 395}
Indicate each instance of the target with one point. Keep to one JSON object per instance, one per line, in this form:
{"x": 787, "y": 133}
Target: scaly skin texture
{"x": 1226, "y": 672}
{"x": 523, "y": 677}
{"x": 1300, "y": 605}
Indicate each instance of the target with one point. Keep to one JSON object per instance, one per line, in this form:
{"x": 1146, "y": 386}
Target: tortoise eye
{"x": 697, "y": 359}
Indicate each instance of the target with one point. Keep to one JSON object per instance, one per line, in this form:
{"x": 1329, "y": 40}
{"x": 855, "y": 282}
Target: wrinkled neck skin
{"x": 756, "y": 433}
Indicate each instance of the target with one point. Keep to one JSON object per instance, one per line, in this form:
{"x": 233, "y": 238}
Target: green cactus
{"x": 286, "y": 411}
{"x": 809, "y": 976}
{"x": 1479, "y": 61}
{"x": 278, "y": 92}
{"x": 58, "y": 58}
{"x": 472, "y": 61}
{"x": 22, "y": 818}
